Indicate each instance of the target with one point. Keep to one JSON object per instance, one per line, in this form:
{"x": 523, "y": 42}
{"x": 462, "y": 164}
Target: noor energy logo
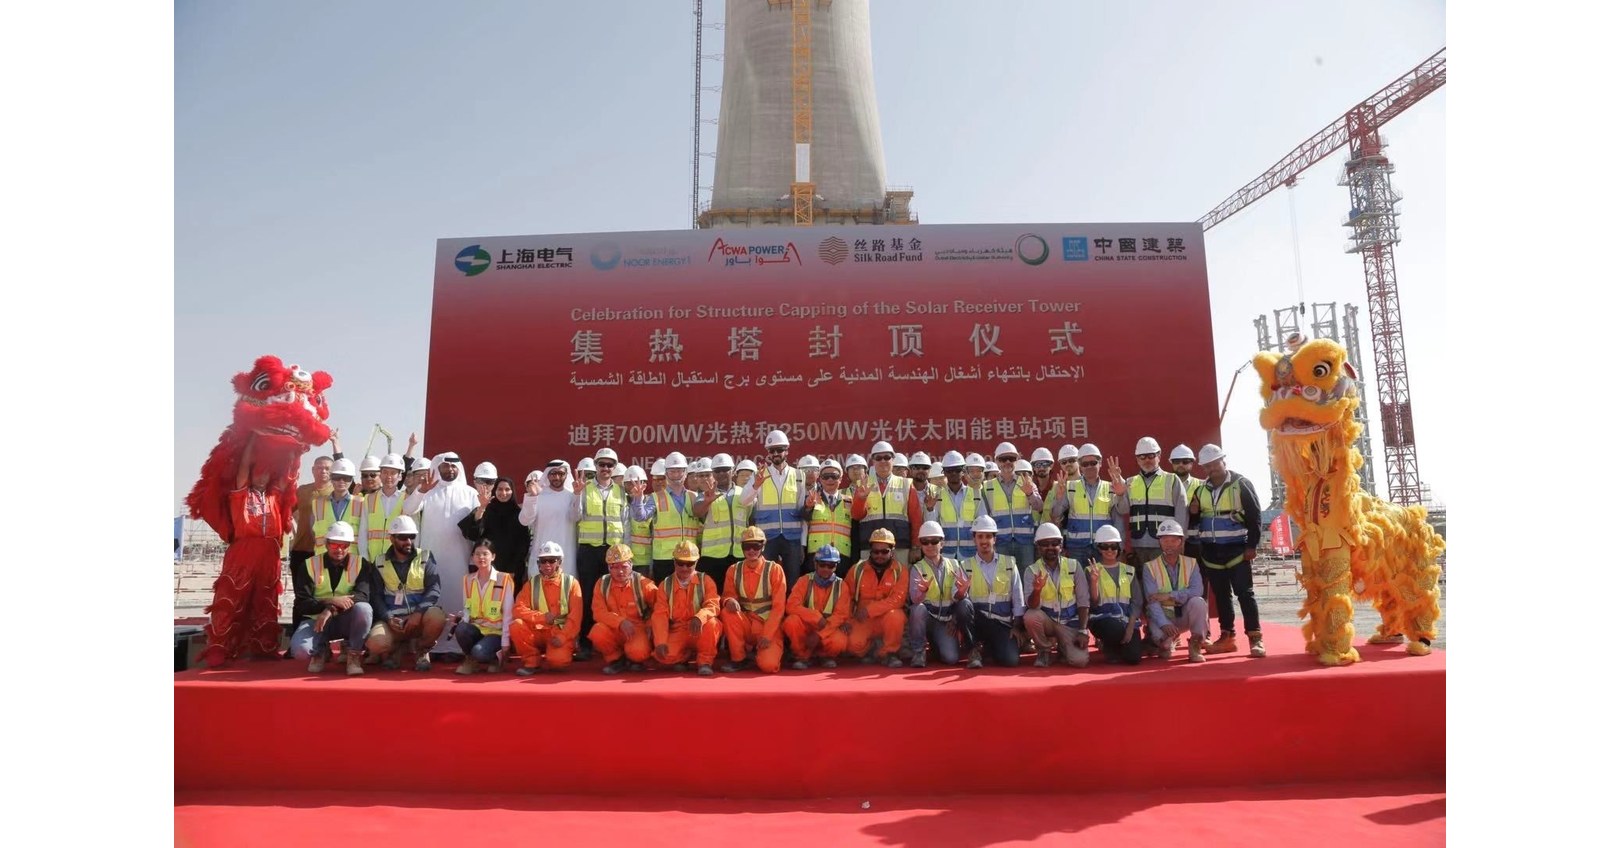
{"x": 1031, "y": 249}
{"x": 753, "y": 255}
{"x": 834, "y": 250}
{"x": 472, "y": 260}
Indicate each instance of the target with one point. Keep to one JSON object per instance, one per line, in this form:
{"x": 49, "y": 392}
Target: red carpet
{"x": 934, "y": 731}
{"x": 1387, "y": 814}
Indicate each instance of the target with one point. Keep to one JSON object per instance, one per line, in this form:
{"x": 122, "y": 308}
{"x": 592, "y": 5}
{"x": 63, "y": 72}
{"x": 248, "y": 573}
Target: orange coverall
{"x": 535, "y": 631}
{"x": 805, "y": 614}
{"x": 884, "y": 599}
{"x": 672, "y": 621}
{"x": 746, "y": 628}
{"x": 618, "y": 606}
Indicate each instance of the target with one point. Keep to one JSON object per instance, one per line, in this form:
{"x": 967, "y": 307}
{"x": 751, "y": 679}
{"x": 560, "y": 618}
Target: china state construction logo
{"x": 472, "y": 260}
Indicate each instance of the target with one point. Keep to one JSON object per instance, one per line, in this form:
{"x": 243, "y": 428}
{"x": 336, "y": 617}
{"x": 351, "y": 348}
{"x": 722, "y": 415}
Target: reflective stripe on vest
{"x": 997, "y": 597}
{"x": 636, "y": 589}
{"x": 1057, "y": 597}
{"x": 1163, "y": 579}
{"x": 895, "y": 572}
{"x": 830, "y": 526}
{"x": 1013, "y": 520}
{"x": 1109, "y": 597}
{"x": 837, "y": 588}
{"x": 888, "y": 504}
{"x": 760, "y": 602}
{"x": 484, "y": 611}
{"x": 722, "y": 530}
{"x": 324, "y": 590}
{"x": 958, "y": 528}
{"x": 375, "y": 521}
{"x": 325, "y": 515}
{"x": 641, "y": 541}
{"x": 672, "y": 524}
{"x": 601, "y": 519}
{"x": 777, "y": 509}
{"x": 415, "y": 578}
{"x": 1087, "y": 513}
{"x": 537, "y": 596}
{"x": 1150, "y": 504}
{"x": 1193, "y": 486}
{"x": 1220, "y": 518}
{"x": 697, "y": 594}
{"x": 941, "y": 593}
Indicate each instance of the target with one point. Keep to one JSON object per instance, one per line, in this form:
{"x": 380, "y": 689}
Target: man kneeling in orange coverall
{"x": 877, "y": 603}
{"x": 754, "y": 606}
{"x": 622, "y": 603}
{"x": 686, "y": 619}
{"x": 545, "y": 617}
{"x": 818, "y": 614}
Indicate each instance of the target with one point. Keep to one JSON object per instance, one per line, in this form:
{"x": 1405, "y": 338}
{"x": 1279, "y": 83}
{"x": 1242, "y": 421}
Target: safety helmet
{"x": 343, "y": 468}
{"x": 634, "y": 474}
{"x": 931, "y": 530}
{"x": 882, "y": 447}
{"x": 808, "y": 461}
{"x": 1068, "y": 452}
{"x": 549, "y": 549}
{"x": 1047, "y": 530}
{"x": 985, "y": 524}
{"x": 1089, "y": 449}
{"x": 619, "y": 470}
{"x": 370, "y": 463}
{"x": 721, "y": 460}
{"x": 882, "y": 536}
{"x": 1040, "y": 455}
{"x": 675, "y": 460}
{"x": 747, "y": 465}
{"x": 952, "y": 459}
{"x": 1181, "y": 452}
{"x": 698, "y": 466}
{"x": 402, "y": 525}
{"x": 974, "y": 461}
{"x": 1022, "y": 466}
{"x": 920, "y": 460}
{"x": 658, "y": 468}
{"x": 1006, "y": 448}
{"x": 620, "y": 553}
{"x": 831, "y": 463}
{"x": 1169, "y": 527}
{"x": 607, "y": 453}
{"x": 485, "y": 471}
{"x": 585, "y": 464}
{"x": 1105, "y": 534}
{"x": 394, "y": 461}
{"x": 686, "y": 551}
{"x": 752, "y": 534}
{"x": 1146, "y": 444}
{"x": 775, "y": 439}
{"x": 855, "y": 460}
{"x": 340, "y": 531}
{"x": 936, "y": 470}
{"x": 828, "y": 553}
{"x": 1210, "y": 453}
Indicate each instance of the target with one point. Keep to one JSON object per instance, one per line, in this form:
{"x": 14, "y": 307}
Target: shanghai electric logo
{"x": 834, "y": 250}
{"x": 1031, "y": 249}
{"x": 472, "y": 261}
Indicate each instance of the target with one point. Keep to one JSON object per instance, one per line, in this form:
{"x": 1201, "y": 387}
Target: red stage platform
{"x": 1231, "y": 722}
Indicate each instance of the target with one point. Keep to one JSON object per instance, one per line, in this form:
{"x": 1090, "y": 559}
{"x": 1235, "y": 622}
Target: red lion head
{"x": 282, "y": 403}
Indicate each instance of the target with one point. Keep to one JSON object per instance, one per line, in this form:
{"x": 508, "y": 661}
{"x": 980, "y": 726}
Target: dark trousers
{"x": 1116, "y": 644}
{"x": 790, "y": 554}
{"x": 1224, "y": 582}
{"x": 715, "y": 567}
{"x": 994, "y": 639}
{"x": 591, "y": 563}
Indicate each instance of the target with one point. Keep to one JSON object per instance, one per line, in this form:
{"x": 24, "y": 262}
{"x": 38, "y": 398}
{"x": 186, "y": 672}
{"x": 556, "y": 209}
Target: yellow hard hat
{"x": 620, "y": 553}
{"x": 686, "y": 551}
{"x": 882, "y": 535}
{"x": 753, "y": 534}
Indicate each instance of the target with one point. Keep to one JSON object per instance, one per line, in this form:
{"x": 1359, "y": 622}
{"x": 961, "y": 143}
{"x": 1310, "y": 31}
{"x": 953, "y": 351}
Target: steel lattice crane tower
{"x": 1373, "y": 234}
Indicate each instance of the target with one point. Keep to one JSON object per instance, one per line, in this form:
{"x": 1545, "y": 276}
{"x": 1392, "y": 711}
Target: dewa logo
{"x": 472, "y": 261}
{"x": 1031, "y": 249}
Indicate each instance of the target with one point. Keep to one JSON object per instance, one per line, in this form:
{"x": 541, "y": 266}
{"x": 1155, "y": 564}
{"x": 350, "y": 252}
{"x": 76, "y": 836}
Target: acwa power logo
{"x": 753, "y": 255}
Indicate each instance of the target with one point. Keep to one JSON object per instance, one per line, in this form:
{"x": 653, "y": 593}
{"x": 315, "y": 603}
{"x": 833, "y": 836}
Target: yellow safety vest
{"x": 484, "y": 610}
{"x": 941, "y": 593}
{"x": 959, "y": 527}
{"x": 1109, "y": 597}
{"x": 996, "y": 595}
{"x": 830, "y": 526}
{"x": 760, "y": 602}
{"x": 1220, "y": 521}
{"x": 1086, "y": 513}
{"x": 324, "y": 590}
{"x": 1057, "y": 597}
{"x": 1166, "y": 582}
{"x": 672, "y": 524}
{"x": 325, "y": 517}
{"x": 601, "y": 519}
{"x": 641, "y": 537}
{"x": 415, "y": 578}
{"x": 888, "y": 504}
{"x": 1013, "y": 519}
{"x": 374, "y": 521}
{"x": 537, "y": 595}
{"x": 777, "y": 512}
{"x": 722, "y": 530}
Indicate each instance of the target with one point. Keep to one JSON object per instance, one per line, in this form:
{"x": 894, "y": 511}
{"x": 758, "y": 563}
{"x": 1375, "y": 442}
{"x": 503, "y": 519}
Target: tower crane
{"x": 1373, "y": 234}
{"x": 803, "y": 188}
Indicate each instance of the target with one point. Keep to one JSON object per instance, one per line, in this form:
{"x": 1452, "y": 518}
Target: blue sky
{"x": 321, "y": 149}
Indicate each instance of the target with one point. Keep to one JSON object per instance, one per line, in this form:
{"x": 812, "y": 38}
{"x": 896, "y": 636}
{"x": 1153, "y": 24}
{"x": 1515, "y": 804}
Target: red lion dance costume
{"x": 246, "y": 493}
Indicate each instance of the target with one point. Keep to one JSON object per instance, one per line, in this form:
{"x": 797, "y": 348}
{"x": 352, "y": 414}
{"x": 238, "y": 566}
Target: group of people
{"x": 677, "y": 565}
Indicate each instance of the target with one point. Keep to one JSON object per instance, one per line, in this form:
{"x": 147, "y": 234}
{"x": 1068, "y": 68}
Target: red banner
{"x": 1282, "y": 535}
{"x": 929, "y": 337}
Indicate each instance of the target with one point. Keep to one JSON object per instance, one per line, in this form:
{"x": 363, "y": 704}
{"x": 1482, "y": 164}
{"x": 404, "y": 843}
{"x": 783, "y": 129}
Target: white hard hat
{"x": 549, "y": 549}
{"x": 485, "y": 471}
{"x": 952, "y": 459}
{"x": 675, "y": 460}
{"x": 1105, "y": 534}
{"x": 1005, "y": 448}
{"x": 1210, "y": 453}
{"x": 618, "y": 470}
{"x": 607, "y": 453}
{"x": 370, "y": 463}
{"x": 721, "y": 460}
{"x": 1181, "y": 452}
{"x": 585, "y": 465}
{"x": 1089, "y": 449}
{"x": 920, "y": 458}
{"x": 1068, "y": 452}
{"x": 340, "y": 531}
{"x": 1146, "y": 444}
{"x": 833, "y": 464}
{"x": 402, "y": 525}
{"x": 1047, "y": 530}
{"x": 1169, "y": 527}
{"x": 882, "y": 447}
{"x": 394, "y": 461}
{"x": 985, "y": 524}
{"x": 974, "y": 461}
{"x": 634, "y": 474}
{"x": 855, "y": 459}
{"x": 936, "y": 470}
{"x": 343, "y": 468}
{"x": 931, "y": 529}
{"x": 1041, "y": 455}
{"x": 698, "y": 466}
{"x": 776, "y": 438}
{"x": 658, "y": 468}
{"x": 809, "y": 461}
{"x": 747, "y": 465}
{"x": 1023, "y": 465}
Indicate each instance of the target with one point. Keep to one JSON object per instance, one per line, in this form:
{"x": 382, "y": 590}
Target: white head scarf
{"x": 461, "y": 471}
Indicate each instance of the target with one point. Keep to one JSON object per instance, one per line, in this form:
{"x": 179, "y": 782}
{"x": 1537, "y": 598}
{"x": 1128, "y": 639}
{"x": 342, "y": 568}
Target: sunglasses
{"x": 883, "y": 550}
{"x": 1048, "y": 543}
{"x": 777, "y": 450}
{"x": 1043, "y": 464}
{"x": 1108, "y": 547}
{"x": 821, "y": 563}
{"x": 606, "y": 464}
{"x": 931, "y": 542}
{"x": 682, "y": 563}
{"x": 1007, "y": 460}
{"x": 404, "y": 538}
{"x": 1181, "y": 462}
{"x": 830, "y": 476}
{"x": 339, "y": 548}
{"x": 1147, "y": 456}
{"x": 1090, "y": 464}
{"x": 368, "y": 474}
{"x": 752, "y": 546}
{"x": 888, "y": 457}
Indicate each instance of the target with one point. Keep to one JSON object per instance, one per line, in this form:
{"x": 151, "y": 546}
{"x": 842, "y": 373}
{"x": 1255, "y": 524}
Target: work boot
{"x": 355, "y": 667}
{"x": 423, "y": 663}
{"x": 526, "y": 671}
{"x": 919, "y": 659}
{"x": 800, "y": 665}
{"x": 616, "y": 667}
{"x": 468, "y": 666}
{"x": 1227, "y": 644}
{"x": 975, "y": 659}
{"x": 635, "y": 666}
{"x": 1167, "y": 649}
{"x": 871, "y": 657}
{"x": 829, "y": 662}
{"x": 494, "y": 667}
{"x": 391, "y": 662}
{"x": 727, "y": 667}
{"x": 1195, "y": 650}
{"x": 317, "y": 661}
{"x": 705, "y": 671}
{"x": 1257, "y": 644}
{"x": 681, "y": 668}
{"x": 1042, "y": 659}
{"x": 894, "y": 661}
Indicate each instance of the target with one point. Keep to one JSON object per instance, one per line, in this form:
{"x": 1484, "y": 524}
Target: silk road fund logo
{"x": 472, "y": 260}
{"x": 834, "y": 250}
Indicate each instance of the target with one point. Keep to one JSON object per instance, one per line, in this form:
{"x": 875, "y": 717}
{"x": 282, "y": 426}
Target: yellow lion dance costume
{"x": 1351, "y": 544}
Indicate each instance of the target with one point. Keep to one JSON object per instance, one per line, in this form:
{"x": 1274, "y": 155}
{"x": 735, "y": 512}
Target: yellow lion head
{"x": 1308, "y": 390}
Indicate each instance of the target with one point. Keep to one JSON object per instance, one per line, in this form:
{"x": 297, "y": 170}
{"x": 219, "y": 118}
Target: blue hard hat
{"x": 828, "y": 553}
